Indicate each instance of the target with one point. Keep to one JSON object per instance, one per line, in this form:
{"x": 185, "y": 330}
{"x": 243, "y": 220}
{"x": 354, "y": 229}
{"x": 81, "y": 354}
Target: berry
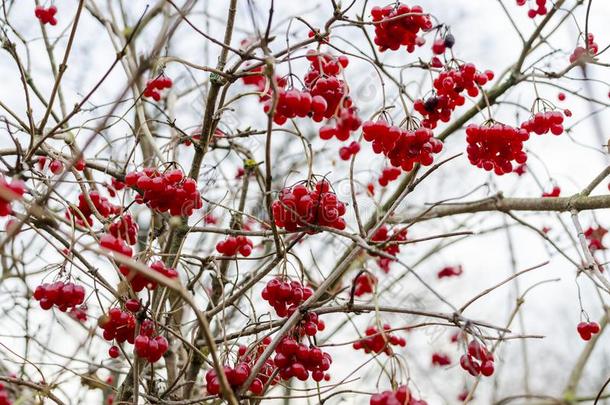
{"x": 63, "y": 295}
{"x": 125, "y": 228}
{"x": 233, "y": 245}
{"x": 392, "y": 32}
{"x": 46, "y": 15}
{"x": 388, "y": 243}
{"x": 364, "y": 284}
{"x": 150, "y": 348}
{"x": 285, "y": 296}
{"x": 16, "y": 189}
{"x": 388, "y": 174}
{"x": 155, "y": 86}
{"x": 139, "y": 281}
{"x": 478, "y": 360}
{"x": 450, "y": 271}
{"x": 379, "y": 341}
{"x": 114, "y": 352}
{"x": 553, "y": 193}
{"x": 101, "y": 204}
{"x": 56, "y": 167}
{"x": 595, "y": 237}
{"x": 543, "y": 122}
{"x": 493, "y": 147}
{"x": 440, "y": 359}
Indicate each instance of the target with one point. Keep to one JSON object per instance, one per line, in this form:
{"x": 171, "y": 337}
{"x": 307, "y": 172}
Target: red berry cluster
{"x": 310, "y": 324}
{"x": 595, "y": 237}
{"x": 364, "y": 284}
{"x": 540, "y": 9}
{"x": 449, "y": 86}
{"x": 493, "y": 147}
{"x": 150, "y": 348}
{"x": 4, "y": 396}
{"x": 478, "y": 360}
{"x": 403, "y": 147}
{"x": 285, "y": 296}
{"x": 590, "y": 51}
{"x": 378, "y": 341}
{"x": 442, "y": 44}
{"x": 118, "y": 325}
{"x": 402, "y": 396}
{"x": 299, "y": 206}
{"x": 555, "y": 192}
{"x": 450, "y": 271}
{"x": 63, "y": 295}
{"x": 115, "y": 244}
{"x": 260, "y": 81}
{"x": 387, "y": 243}
{"x": 235, "y": 244}
{"x": 346, "y": 121}
{"x": 346, "y": 152}
{"x": 169, "y": 191}
{"x": 543, "y": 122}
{"x": 388, "y": 174}
{"x": 155, "y": 86}
{"x": 79, "y": 313}
{"x": 440, "y": 359}
{"x": 15, "y": 187}
{"x": 393, "y": 31}
{"x": 46, "y": 15}
{"x": 139, "y": 281}
{"x": 125, "y": 228}
{"x": 587, "y": 329}
{"x": 298, "y": 360}
{"x": 294, "y": 103}
{"x": 101, "y": 204}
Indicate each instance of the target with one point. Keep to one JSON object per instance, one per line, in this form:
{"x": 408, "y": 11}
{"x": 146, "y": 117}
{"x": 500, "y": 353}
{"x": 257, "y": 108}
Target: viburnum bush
{"x": 333, "y": 202}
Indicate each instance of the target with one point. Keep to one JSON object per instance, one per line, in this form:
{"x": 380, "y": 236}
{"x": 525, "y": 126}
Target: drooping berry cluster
{"x": 494, "y": 147}
{"x": 440, "y": 359}
{"x": 388, "y": 174}
{"x": 378, "y": 341}
{"x": 139, "y": 281}
{"x": 543, "y": 122}
{"x": 165, "y": 192}
{"x": 364, "y": 284}
{"x": 393, "y": 31}
{"x": 298, "y": 360}
{"x": 595, "y": 237}
{"x": 309, "y": 325}
{"x": 285, "y": 296}
{"x": 555, "y": 192}
{"x": 235, "y": 244}
{"x": 100, "y": 203}
{"x": 478, "y": 360}
{"x": 587, "y": 329}
{"x": 449, "y": 86}
{"x": 346, "y": 152}
{"x": 150, "y": 348}
{"x": 15, "y": 188}
{"x": 294, "y": 103}
{"x": 322, "y": 80}
{"x": 450, "y": 271}
{"x": 46, "y": 15}
{"x": 402, "y": 396}
{"x": 299, "y": 207}
{"x": 388, "y": 242}
{"x": 581, "y": 52}
{"x": 118, "y": 325}
{"x": 125, "y": 228}
{"x": 63, "y": 295}
{"x": 403, "y": 147}
{"x": 540, "y": 9}
{"x": 115, "y": 244}
{"x": 155, "y": 86}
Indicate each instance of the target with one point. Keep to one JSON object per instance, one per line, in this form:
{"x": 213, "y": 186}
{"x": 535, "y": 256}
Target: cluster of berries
{"x": 234, "y": 244}
{"x": 478, "y": 360}
{"x": 388, "y": 243}
{"x": 260, "y": 81}
{"x": 100, "y": 203}
{"x": 493, "y": 147}
{"x": 125, "y": 228}
{"x": 155, "y": 86}
{"x": 139, "y": 281}
{"x": 442, "y": 44}
{"x": 63, "y": 295}
{"x": 150, "y": 348}
{"x": 595, "y": 237}
{"x": 79, "y": 313}
{"x": 590, "y": 51}
{"x": 555, "y": 192}
{"x": 403, "y": 147}
{"x": 346, "y": 121}
{"x": 46, "y": 15}
{"x": 346, "y": 152}
{"x": 294, "y": 103}
{"x": 388, "y": 174}
{"x": 540, "y": 9}
{"x": 587, "y": 329}
{"x": 309, "y": 325}
{"x": 299, "y": 206}
{"x": 543, "y": 122}
{"x": 298, "y": 360}
{"x": 440, "y": 359}
{"x": 378, "y": 341}
{"x": 115, "y": 244}
{"x": 364, "y": 284}
{"x": 169, "y": 191}
{"x": 402, "y": 396}
{"x": 285, "y": 296}
{"x": 118, "y": 325}
{"x": 449, "y": 86}
{"x": 16, "y": 188}
{"x": 322, "y": 80}
{"x": 450, "y": 271}
{"x": 393, "y": 31}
